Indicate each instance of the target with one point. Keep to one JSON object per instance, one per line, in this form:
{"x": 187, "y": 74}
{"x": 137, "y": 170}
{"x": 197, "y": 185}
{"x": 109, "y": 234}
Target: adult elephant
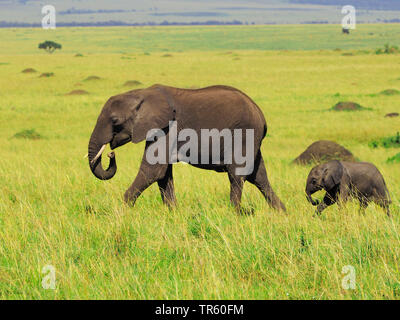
{"x": 131, "y": 116}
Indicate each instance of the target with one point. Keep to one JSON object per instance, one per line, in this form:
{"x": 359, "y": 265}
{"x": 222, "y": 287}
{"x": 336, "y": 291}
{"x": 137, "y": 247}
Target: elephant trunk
{"x": 310, "y": 199}
{"x": 95, "y": 154}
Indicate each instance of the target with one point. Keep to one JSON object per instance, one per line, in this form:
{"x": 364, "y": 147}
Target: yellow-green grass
{"x": 182, "y": 38}
{"x": 53, "y": 211}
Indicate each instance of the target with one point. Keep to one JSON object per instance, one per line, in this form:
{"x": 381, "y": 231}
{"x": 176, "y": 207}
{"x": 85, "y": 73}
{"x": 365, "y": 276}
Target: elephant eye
{"x": 114, "y": 120}
{"x": 138, "y": 106}
{"x": 118, "y": 128}
{"x": 313, "y": 181}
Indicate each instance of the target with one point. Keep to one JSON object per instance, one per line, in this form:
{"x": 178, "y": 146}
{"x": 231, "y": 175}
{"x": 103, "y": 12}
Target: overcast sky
{"x": 251, "y": 11}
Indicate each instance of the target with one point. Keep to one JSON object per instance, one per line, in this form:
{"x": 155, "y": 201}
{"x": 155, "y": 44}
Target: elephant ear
{"x": 333, "y": 173}
{"x": 153, "y": 112}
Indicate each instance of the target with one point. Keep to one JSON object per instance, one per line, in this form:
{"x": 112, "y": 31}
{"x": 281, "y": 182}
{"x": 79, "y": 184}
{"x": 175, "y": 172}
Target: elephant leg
{"x": 344, "y": 194}
{"x": 237, "y": 183}
{"x": 148, "y": 174}
{"x": 384, "y": 204}
{"x": 166, "y": 186}
{"x": 363, "y": 205}
{"x": 328, "y": 201}
{"x": 387, "y": 209}
{"x": 381, "y": 200}
{"x": 321, "y": 207}
{"x": 260, "y": 179}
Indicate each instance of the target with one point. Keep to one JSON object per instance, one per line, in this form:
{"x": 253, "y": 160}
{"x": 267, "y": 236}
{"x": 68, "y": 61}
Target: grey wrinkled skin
{"x": 129, "y": 117}
{"x": 342, "y": 180}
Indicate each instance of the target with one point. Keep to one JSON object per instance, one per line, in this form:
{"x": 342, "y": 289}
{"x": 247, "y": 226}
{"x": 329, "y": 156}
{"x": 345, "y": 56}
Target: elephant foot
{"x": 246, "y": 211}
{"x": 280, "y": 207}
{"x": 171, "y": 205}
{"x": 129, "y": 199}
{"x": 316, "y": 214}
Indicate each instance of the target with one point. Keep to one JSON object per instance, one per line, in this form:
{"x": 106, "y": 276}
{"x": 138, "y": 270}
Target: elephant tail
{"x": 388, "y": 195}
{"x": 389, "y": 199}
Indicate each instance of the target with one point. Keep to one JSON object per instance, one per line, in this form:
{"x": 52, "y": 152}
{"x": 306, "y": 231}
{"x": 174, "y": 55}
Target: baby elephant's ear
{"x": 333, "y": 173}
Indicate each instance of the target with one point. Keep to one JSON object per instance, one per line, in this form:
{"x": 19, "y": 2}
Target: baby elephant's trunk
{"x": 310, "y": 199}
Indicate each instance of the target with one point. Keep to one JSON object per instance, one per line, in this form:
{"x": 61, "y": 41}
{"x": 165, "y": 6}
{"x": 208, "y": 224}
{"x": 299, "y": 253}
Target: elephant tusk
{"x": 98, "y": 154}
{"x": 86, "y": 155}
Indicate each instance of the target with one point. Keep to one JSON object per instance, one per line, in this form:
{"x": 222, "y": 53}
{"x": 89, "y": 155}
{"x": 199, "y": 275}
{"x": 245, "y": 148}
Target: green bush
{"x": 30, "y": 134}
{"x": 388, "y": 142}
{"x": 394, "y": 159}
{"x": 390, "y": 92}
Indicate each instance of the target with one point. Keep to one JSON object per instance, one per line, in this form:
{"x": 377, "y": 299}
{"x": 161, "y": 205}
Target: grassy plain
{"x": 53, "y": 211}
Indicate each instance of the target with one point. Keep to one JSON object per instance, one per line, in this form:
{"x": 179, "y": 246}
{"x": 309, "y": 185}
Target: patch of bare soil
{"x": 132, "y": 83}
{"x": 92, "y": 78}
{"x": 390, "y": 92}
{"x": 29, "y": 70}
{"x": 392, "y": 115}
{"x": 322, "y": 151}
{"x": 77, "y": 93}
{"x": 46, "y": 75}
{"x": 347, "y": 106}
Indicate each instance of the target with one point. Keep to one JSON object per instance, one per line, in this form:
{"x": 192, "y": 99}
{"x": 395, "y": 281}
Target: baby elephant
{"x": 342, "y": 180}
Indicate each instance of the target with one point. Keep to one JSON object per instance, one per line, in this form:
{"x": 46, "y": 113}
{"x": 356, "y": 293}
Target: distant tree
{"x": 50, "y": 46}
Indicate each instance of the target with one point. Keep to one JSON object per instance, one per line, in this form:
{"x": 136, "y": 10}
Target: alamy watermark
{"x": 49, "y": 280}
{"x": 49, "y": 19}
{"x": 349, "y": 20}
{"x": 162, "y": 151}
{"x": 349, "y": 280}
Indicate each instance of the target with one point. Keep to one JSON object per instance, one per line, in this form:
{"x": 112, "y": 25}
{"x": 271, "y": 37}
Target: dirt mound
{"x": 390, "y": 92}
{"x": 132, "y": 83}
{"x": 77, "y": 93}
{"x": 322, "y": 151}
{"x": 347, "y": 106}
{"x": 46, "y": 75}
{"x": 91, "y": 78}
{"x": 392, "y": 115}
{"x": 29, "y": 70}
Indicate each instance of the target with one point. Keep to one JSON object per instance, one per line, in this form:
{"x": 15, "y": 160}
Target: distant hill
{"x": 172, "y": 12}
{"x": 361, "y": 4}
